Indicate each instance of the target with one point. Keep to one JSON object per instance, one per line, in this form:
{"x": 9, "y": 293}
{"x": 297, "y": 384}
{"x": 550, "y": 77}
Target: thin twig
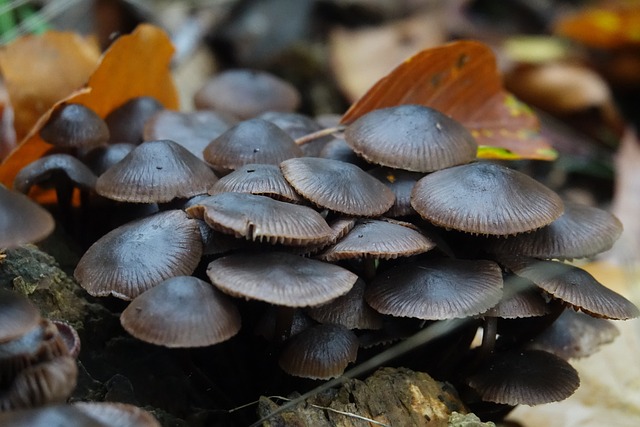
{"x": 319, "y": 134}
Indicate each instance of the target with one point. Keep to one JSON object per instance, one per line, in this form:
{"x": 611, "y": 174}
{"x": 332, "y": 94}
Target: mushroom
{"x": 339, "y": 186}
{"x": 117, "y": 414}
{"x": 250, "y": 141}
{"x": 126, "y": 122}
{"x": 193, "y": 130}
{"x": 436, "y": 289}
{"x": 580, "y": 232}
{"x": 260, "y": 218}
{"x": 280, "y": 278}
{"x": 296, "y": 126}
{"x": 206, "y": 316}
{"x": 246, "y": 93}
{"x": 18, "y": 315}
{"x": 260, "y": 179}
{"x": 529, "y": 377}
{"x": 137, "y": 256}
{"x": 401, "y": 183}
{"x": 75, "y": 126}
{"x": 156, "y": 172}
{"x": 485, "y": 198}
{"x": 320, "y": 352}
{"x": 21, "y": 220}
{"x": 411, "y": 137}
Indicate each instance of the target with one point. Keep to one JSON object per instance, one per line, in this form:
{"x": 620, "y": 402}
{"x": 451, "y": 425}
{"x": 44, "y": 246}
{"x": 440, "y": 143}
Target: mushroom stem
{"x": 489, "y": 333}
{"x": 319, "y": 134}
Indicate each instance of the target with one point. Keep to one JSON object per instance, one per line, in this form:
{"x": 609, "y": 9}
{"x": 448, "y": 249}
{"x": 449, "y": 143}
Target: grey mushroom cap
{"x": 485, "y": 198}
{"x": 75, "y": 126}
{"x": 280, "y": 278}
{"x": 580, "y": 232}
{"x": 339, "y": 186}
{"x": 411, "y": 137}
{"x": 437, "y": 289}
{"x": 156, "y": 172}
{"x": 22, "y": 220}
{"x": 138, "y": 255}
{"x": 206, "y": 316}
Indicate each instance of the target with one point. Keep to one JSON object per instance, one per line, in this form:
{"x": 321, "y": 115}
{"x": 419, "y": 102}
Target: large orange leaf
{"x": 461, "y": 79}
{"x": 39, "y": 70}
{"x": 135, "y": 65}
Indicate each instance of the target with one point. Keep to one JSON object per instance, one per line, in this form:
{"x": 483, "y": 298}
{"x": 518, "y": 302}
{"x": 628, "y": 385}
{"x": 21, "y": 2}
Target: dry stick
{"x": 432, "y": 332}
{"x": 319, "y": 134}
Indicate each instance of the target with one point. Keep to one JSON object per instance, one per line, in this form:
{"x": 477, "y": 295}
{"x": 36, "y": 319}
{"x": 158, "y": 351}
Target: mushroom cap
{"x": 60, "y": 415}
{"x": 138, "y": 255}
{"x": 102, "y": 158}
{"x": 18, "y": 315}
{"x": 49, "y": 167}
{"x": 582, "y": 231}
{"x": 320, "y": 352}
{"x": 22, "y": 220}
{"x": 261, "y": 179}
{"x": 530, "y": 377}
{"x": 75, "y": 126}
{"x": 51, "y": 381}
{"x": 117, "y": 414}
{"x": 574, "y": 335}
{"x": 260, "y": 218}
{"x": 250, "y": 141}
{"x": 280, "y": 278}
{"x": 297, "y": 125}
{"x": 126, "y": 122}
{"x": 436, "y": 289}
{"x": 350, "y": 310}
{"x": 485, "y": 198}
{"x": 524, "y": 300}
{"x": 574, "y": 286}
{"x": 339, "y": 186}
{"x": 246, "y": 93}
{"x": 337, "y": 149}
{"x": 373, "y": 238}
{"x": 206, "y": 316}
{"x": 194, "y": 130}
{"x": 411, "y": 137}
{"x": 401, "y": 183}
{"x": 156, "y": 171}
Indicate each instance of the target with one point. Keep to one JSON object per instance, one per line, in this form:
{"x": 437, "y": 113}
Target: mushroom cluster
{"x": 341, "y": 257}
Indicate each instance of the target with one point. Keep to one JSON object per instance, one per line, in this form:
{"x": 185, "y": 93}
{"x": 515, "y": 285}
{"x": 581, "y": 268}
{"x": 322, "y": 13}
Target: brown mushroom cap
{"x": 260, "y": 218}
{"x": 260, "y": 179}
{"x": 52, "y": 166}
{"x": 411, "y": 137}
{"x": 194, "y": 130}
{"x": 102, "y": 158}
{"x": 580, "y": 232}
{"x": 156, "y": 171}
{"x": 574, "y": 335}
{"x": 530, "y": 377}
{"x": 297, "y": 125}
{"x": 350, "y": 310}
{"x": 126, "y": 122}
{"x": 485, "y": 198}
{"x": 250, "y": 141}
{"x": 206, "y": 316}
{"x": 320, "y": 352}
{"x": 339, "y": 186}
{"x": 74, "y": 125}
{"x": 437, "y": 289}
{"x": 576, "y": 287}
{"x": 117, "y": 414}
{"x": 21, "y": 220}
{"x": 18, "y": 315}
{"x": 136, "y": 256}
{"x": 246, "y": 93}
{"x": 280, "y": 278}
{"x": 372, "y": 238}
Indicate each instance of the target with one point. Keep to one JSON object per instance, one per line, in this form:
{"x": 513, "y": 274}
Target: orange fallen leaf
{"x": 461, "y": 79}
{"x": 135, "y": 65}
{"x": 40, "y": 70}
